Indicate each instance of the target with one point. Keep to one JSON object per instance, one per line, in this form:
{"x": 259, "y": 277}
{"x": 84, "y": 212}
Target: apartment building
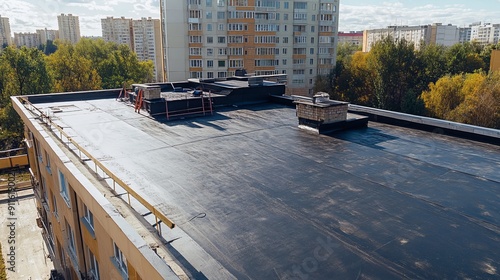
{"x": 143, "y": 36}
{"x": 5, "y": 35}
{"x": 465, "y": 34}
{"x": 485, "y": 33}
{"x": 118, "y": 30}
{"x": 90, "y": 233}
{"x": 29, "y": 40}
{"x": 214, "y": 38}
{"x": 436, "y": 33}
{"x": 47, "y": 35}
{"x": 353, "y": 38}
{"x": 69, "y": 28}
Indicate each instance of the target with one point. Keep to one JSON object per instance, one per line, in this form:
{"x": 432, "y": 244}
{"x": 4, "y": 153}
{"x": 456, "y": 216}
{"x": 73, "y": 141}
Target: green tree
{"x": 71, "y": 71}
{"x": 464, "y": 58}
{"x": 28, "y": 70}
{"x": 395, "y": 66}
{"x": 115, "y": 64}
{"x": 433, "y": 65}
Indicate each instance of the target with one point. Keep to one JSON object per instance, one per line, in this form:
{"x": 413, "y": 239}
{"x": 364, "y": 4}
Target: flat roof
{"x": 268, "y": 200}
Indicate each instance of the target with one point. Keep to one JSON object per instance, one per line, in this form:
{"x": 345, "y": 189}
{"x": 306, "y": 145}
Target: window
{"x": 194, "y": 13}
{"x": 210, "y": 75}
{"x": 222, "y": 51}
{"x": 195, "y": 63}
{"x": 70, "y": 235}
{"x": 285, "y": 16}
{"x": 236, "y": 63}
{"x": 311, "y": 61}
{"x": 210, "y": 63}
{"x": 284, "y": 50}
{"x": 208, "y": 15}
{"x": 221, "y": 39}
{"x": 285, "y": 5}
{"x": 194, "y": 51}
{"x": 300, "y": 5}
{"x": 210, "y": 40}
{"x": 220, "y": 27}
{"x": 209, "y": 3}
{"x": 54, "y": 206}
{"x": 312, "y": 40}
{"x": 221, "y": 63}
{"x": 311, "y": 51}
{"x": 88, "y": 217}
{"x": 63, "y": 187}
{"x": 194, "y": 39}
{"x": 120, "y": 261}
{"x": 195, "y": 26}
{"x": 210, "y": 52}
{"x": 220, "y": 15}
{"x": 313, "y": 17}
{"x": 47, "y": 162}
{"x": 221, "y": 3}
{"x": 312, "y": 28}
{"x": 221, "y": 74}
{"x": 285, "y": 40}
{"x": 284, "y": 61}
{"x": 94, "y": 266}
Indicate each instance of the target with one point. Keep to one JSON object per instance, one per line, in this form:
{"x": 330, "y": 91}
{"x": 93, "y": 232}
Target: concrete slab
{"x": 29, "y": 255}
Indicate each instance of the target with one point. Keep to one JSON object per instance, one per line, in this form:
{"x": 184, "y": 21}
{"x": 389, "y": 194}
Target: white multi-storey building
{"x": 118, "y": 30}
{"x": 29, "y": 40}
{"x": 485, "y": 33}
{"x": 436, "y": 33}
{"x": 147, "y": 43}
{"x": 143, "y": 36}
{"x": 214, "y": 38}
{"x": 69, "y": 28}
{"x": 47, "y": 35}
{"x": 5, "y": 35}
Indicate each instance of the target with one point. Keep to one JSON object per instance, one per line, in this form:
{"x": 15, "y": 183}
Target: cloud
{"x": 92, "y": 6}
{"x": 371, "y": 17}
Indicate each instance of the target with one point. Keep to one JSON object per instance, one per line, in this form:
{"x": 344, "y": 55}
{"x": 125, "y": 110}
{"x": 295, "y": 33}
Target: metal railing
{"x": 159, "y": 216}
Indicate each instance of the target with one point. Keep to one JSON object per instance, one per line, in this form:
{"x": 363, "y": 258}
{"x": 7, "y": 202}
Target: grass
{"x": 3, "y": 272}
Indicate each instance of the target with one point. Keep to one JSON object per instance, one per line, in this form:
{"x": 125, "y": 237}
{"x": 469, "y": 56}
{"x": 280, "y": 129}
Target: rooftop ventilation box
{"x": 149, "y": 92}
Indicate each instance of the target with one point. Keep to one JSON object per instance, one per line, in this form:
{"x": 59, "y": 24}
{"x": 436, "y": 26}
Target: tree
{"x": 433, "y": 65}
{"x": 395, "y": 66}
{"x": 464, "y": 58}
{"x": 444, "y": 96}
{"x": 71, "y": 71}
{"x": 28, "y": 70}
{"x": 115, "y": 64}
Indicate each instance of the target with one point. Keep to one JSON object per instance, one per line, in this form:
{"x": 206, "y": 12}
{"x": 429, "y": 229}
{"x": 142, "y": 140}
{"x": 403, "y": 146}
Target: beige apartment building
{"x": 5, "y": 35}
{"x": 90, "y": 233}
{"x": 69, "y": 28}
{"x": 47, "y": 35}
{"x": 29, "y": 40}
{"x": 143, "y": 36}
{"x": 353, "y": 38}
{"x": 208, "y": 39}
{"x": 436, "y": 33}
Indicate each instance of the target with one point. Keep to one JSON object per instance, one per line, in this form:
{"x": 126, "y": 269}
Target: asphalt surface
{"x": 268, "y": 200}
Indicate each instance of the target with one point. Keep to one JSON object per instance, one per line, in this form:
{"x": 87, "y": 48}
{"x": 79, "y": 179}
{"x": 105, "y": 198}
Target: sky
{"x": 29, "y": 15}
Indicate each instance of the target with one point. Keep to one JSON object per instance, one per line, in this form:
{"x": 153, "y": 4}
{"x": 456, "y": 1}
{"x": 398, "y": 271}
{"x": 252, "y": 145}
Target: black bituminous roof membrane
{"x": 385, "y": 202}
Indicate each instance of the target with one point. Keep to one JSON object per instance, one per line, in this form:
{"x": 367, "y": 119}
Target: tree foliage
{"x": 466, "y": 98}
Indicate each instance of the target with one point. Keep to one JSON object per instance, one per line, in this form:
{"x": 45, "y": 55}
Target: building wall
{"x": 5, "y": 35}
{"x": 69, "y": 28}
{"x": 428, "y": 34}
{"x": 47, "y": 35}
{"x": 212, "y": 39}
{"x": 485, "y": 33}
{"x": 29, "y": 40}
{"x": 118, "y": 30}
{"x": 354, "y": 38}
{"x": 147, "y": 43}
{"x": 64, "y": 219}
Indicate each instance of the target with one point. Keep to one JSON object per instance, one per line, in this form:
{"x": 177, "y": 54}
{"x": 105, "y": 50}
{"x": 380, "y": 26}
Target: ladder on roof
{"x": 206, "y": 107}
{"x": 139, "y": 101}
